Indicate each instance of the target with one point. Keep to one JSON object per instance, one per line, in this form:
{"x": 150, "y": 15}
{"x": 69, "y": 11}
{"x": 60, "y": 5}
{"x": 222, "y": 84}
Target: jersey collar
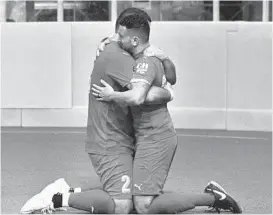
{"x": 141, "y": 54}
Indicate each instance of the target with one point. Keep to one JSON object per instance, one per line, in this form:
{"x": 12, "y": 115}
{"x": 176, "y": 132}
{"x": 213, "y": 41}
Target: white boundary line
{"x": 223, "y": 137}
{"x": 181, "y": 135}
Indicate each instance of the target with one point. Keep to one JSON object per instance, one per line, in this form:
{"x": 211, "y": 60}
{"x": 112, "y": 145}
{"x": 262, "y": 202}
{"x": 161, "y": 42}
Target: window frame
{"x": 113, "y": 12}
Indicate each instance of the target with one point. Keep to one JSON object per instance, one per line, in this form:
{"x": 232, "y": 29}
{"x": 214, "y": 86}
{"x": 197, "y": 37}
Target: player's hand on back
{"x": 153, "y": 51}
{"x": 102, "y": 93}
{"x": 102, "y": 45}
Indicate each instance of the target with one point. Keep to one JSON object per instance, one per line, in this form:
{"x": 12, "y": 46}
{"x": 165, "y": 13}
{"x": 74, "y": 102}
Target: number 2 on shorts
{"x": 125, "y": 188}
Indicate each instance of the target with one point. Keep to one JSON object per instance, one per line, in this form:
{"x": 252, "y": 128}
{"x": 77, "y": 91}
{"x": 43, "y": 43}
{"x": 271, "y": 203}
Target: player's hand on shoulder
{"x": 102, "y": 93}
{"x": 153, "y": 51}
{"x": 102, "y": 45}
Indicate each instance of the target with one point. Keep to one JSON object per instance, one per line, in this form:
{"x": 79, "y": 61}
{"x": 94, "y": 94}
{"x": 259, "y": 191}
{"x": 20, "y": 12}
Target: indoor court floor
{"x": 241, "y": 162}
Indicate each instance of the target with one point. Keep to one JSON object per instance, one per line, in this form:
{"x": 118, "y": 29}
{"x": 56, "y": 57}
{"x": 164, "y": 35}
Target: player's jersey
{"x": 109, "y": 127}
{"x": 151, "y": 122}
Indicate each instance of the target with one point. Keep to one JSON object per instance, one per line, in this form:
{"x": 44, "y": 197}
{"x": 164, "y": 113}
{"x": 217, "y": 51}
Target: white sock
{"x": 77, "y": 190}
{"x": 65, "y": 199}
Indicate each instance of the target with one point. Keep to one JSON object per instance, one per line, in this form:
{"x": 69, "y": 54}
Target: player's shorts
{"x": 115, "y": 173}
{"x": 152, "y": 164}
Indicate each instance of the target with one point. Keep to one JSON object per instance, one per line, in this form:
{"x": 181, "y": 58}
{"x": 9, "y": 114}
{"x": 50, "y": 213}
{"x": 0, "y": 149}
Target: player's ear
{"x": 135, "y": 41}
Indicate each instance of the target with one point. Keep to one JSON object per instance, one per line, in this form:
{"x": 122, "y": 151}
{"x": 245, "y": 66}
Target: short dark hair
{"x": 139, "y": 23}
{"x": 131, "y": 11}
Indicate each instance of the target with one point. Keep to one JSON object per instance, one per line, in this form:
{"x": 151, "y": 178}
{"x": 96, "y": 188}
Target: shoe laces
{"x": 50, "y": 209}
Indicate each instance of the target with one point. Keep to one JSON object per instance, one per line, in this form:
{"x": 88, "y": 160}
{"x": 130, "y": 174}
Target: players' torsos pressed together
{"x": 109, "y": 124}
{"x": 131, "y": 140}
{"x": 153, "y": 143}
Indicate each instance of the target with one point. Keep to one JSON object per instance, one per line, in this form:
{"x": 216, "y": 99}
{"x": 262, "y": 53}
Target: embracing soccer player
{"x": 155, "y": 135}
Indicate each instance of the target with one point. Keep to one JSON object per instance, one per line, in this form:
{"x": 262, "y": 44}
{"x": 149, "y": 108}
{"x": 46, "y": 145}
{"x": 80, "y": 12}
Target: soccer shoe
{"x": 222, "y": 199}
{"x": 43, "y": 200}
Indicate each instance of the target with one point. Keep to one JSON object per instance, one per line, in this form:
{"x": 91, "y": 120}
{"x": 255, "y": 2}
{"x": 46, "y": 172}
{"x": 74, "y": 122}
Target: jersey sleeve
{"x": 144, "y": 71}
{"x": 120, "y": 68}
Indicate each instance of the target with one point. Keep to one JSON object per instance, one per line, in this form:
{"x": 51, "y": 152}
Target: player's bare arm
{"x": 159, "y": 95}
{"x": 155, "y": 95}
{"x": 170, "y": 71}
{"x": 133, "y": 97}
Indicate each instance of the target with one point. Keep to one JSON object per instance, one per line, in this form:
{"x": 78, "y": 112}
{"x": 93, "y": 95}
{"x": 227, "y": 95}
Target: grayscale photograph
{"x": 136, "y": 107}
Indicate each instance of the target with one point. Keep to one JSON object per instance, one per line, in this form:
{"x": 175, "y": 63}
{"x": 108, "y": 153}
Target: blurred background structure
{"x": 50, "y": 11}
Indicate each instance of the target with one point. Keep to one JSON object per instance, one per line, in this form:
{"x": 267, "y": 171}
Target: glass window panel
{"x": 87, "y": 10}
{"x": 31, "y": 11}
{"x": 241, "y": 10}
{"x": 172, "y": 10}
{"x": 44, "y": 11}
{"x": 15, "y": 11}
{"x": 270, "y": 11}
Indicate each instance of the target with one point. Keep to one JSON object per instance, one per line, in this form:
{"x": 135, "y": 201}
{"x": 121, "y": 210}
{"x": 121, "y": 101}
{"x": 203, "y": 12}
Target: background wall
{"x": 224, "y": 73}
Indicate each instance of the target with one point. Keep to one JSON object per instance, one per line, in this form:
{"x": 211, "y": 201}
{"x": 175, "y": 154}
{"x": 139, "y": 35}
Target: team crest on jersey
{"x": 141, "y": 68}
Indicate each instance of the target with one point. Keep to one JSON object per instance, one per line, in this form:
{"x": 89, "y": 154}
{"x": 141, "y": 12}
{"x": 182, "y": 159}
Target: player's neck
{"x": 140, "y": 48}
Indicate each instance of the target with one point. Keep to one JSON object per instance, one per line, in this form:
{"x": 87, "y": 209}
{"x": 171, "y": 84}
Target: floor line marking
{"x": 223, "y": 137}
{"x": 183, "y": 135}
